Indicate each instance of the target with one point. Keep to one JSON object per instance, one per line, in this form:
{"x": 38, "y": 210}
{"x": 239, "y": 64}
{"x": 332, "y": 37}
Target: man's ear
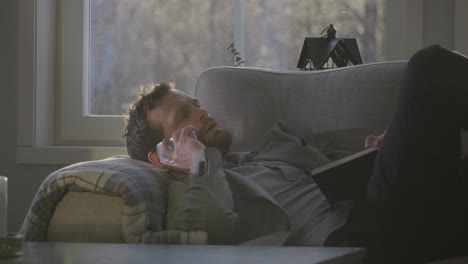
{"x": 153, "y": 157}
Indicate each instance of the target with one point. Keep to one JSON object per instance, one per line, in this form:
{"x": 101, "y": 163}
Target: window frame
{"x": 41, "y": 109}
{"x": 75, "y": 124}
{"x": 37, "y": 93}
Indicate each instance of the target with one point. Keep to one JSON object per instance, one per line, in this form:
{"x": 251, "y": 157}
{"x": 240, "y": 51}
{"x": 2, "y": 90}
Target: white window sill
{"x": 65, "y": 154}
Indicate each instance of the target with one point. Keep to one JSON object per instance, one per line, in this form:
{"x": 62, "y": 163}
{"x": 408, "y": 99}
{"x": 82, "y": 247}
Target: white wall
{"x": 461, "y": 26}
{"x": 446, "y": 23}
{"x": 24, "y": 180}
{"x": 438, "y": 21}
{"x": 442, "y": 22}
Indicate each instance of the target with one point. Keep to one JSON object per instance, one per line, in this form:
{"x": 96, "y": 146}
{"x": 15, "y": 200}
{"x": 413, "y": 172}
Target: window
{"x": 126, "y": 44}
{"x": 94, "y": 54}
{"x": 275, "y": 30}
{"x": 135, "y": 42}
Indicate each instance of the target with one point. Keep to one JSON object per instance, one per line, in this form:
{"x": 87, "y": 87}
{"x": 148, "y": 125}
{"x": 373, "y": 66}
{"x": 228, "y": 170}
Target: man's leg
{"x": 415, "y": 192}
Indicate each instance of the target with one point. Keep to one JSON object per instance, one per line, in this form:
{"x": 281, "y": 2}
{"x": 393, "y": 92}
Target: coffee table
{"x": 83, "y": 253}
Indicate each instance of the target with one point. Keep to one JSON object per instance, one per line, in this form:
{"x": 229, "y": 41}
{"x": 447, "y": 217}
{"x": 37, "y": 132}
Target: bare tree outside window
{"x": 275, "y": 30}
{"x": 136, "y": 42}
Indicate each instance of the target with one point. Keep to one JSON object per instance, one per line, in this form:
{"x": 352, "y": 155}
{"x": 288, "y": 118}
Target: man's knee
{"x": 435, "y": 66}
{"x": 430, "y": 58}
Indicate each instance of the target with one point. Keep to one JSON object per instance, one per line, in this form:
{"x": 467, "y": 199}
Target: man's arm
{"x": 208, "y": 205}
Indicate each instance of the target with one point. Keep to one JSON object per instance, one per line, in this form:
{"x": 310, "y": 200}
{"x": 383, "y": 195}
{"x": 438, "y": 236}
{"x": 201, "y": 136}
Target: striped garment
{"x": 142, "y": 187}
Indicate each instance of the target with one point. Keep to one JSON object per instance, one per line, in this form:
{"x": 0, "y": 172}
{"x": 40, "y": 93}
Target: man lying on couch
{"x": 414, "y": 209}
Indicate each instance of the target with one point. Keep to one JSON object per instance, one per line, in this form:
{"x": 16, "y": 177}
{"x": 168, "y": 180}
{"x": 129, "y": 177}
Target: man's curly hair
{"x": 140, "y": 136}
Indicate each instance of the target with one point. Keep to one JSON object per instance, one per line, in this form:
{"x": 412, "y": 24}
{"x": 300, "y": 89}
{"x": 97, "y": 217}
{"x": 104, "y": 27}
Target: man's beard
{"x": 220, "y": 139}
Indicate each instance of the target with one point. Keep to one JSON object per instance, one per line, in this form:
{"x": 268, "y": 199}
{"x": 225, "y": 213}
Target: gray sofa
{"x": 343, "y": 105}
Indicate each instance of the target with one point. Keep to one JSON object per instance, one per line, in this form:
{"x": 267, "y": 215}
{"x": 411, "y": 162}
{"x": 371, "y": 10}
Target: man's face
{"x": 178, "y": 110}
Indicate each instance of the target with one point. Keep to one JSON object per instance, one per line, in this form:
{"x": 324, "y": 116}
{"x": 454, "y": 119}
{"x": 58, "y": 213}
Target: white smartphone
{"x": 170, "y": 145}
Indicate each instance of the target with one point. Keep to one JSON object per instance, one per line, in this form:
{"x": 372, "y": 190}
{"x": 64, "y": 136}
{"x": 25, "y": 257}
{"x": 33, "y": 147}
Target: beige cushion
{"x": 87, "y": 217}
{"x": 142, "y": 187}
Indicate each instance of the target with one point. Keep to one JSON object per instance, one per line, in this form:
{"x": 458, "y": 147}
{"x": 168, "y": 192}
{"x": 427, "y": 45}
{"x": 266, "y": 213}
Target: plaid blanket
{"x": 142, "y": 187}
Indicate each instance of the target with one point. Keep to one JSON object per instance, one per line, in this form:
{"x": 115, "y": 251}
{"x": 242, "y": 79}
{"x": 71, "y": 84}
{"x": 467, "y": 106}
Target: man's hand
{"x": 373, "y": 141}
{"x": 185, "y": 149}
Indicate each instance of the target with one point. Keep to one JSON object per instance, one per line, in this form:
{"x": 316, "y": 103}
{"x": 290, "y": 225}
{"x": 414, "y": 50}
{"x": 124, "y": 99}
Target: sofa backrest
{"x": 250, "y": 100}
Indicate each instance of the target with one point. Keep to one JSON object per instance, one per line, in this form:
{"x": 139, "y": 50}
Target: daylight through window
{"x": 136, "y": 42}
